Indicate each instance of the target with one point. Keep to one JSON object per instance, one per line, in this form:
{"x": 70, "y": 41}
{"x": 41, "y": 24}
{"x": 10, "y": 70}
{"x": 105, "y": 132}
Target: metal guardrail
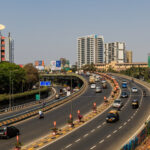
{"x": 18, "y": 107}
{"x": 49, "y": 105}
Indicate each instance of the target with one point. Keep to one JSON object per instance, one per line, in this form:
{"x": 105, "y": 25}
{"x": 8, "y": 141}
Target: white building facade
{"x": 6, "y": 49}
{"x": 90, "y": 50}
{"x": 115, "y": 52}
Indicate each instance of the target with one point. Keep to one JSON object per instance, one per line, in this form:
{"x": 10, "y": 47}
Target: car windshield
{"x": 134, "y": 100}
{"x": 111, "y": 115}
{"x": 134, "y": 88}
{"x": 117, "y": 101}
{"x": 124, "y": 93}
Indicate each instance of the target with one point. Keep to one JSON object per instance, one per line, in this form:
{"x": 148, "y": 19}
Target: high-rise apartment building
{"x": 128, "y": 56}
{"x": 115, "y": 52}
{"x": 90, "y": 50}
{"x": 6, "y": 49}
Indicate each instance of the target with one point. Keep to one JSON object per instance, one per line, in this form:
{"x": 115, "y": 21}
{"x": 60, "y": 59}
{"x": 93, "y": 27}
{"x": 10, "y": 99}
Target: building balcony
{"x": 2, "y": 48}
{"x": 3, "y": 59}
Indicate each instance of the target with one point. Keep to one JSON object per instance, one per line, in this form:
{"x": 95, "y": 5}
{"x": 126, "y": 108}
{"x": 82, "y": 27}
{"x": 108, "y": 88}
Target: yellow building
{"x": 120, "y": 66}
{"x": 128, "y": 56}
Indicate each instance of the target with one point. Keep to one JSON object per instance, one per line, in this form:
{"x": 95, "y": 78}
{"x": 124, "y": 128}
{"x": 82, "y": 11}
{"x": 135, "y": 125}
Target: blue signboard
{"x": 45, "y": 83}
{"x": 42, "y": 83}
{"x": 58, "y": 63}
{"x": 40, "y": 63}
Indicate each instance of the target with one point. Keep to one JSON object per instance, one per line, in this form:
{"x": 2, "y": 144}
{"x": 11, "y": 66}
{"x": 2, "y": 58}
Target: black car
{"x": 7, "y": 132}
{"x": 112, "y": 116}
{"x": 135, "y": 103}
{"x": 124, "y": 94}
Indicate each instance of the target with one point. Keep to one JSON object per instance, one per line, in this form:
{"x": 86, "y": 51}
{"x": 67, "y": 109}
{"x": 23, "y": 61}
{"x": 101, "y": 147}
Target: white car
{"x": 98, "y": 89}
{"x": 103, "y": 81}
{"x": 93, "y": 86}
{"x": 117, "y": 103}
{"x": 134, "y": 90}
{"x": 113, "y": 77}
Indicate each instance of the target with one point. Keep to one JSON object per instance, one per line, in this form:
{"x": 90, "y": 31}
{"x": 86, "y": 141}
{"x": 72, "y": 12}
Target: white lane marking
{"x": 85, "y": 135}
{"x": 93, "y": 147}
{"x": 93, "y": 130}
{"x": 108, "y": 136}
{"x": 115, "y": 131}
{"x": 99, "y": 126}
{"x": 68, "y": 145}
{"x": 77, "y": 140}
{"x": 101, "y": 141}
{"x": 129, "y": 120}
{"x": 120, "y": 127}
{"x": 125, "y": 123}
{"x": 131, "y": 117}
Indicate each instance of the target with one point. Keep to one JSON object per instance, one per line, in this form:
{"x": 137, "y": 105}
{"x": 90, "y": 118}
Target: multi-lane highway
{"x": 34, "y": 128}
{"x": 98, "y": 134}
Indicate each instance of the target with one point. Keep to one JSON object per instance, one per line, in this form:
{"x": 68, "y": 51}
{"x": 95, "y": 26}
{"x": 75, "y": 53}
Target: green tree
{"x": 89, "y": 67}
{"x": 11, "y": 77}
{"x": 32, "y": 76}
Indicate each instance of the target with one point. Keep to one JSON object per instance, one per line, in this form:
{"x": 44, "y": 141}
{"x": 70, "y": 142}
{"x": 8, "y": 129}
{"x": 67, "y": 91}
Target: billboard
{"x": 56, "y": 65}
{"x": 39, "y": 63}
{"x": 39, "y": 67}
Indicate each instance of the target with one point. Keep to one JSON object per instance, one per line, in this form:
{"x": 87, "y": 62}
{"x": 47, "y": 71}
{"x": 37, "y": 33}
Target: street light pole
{"x": 71, "y": 93}
{"x": 39, "y": 89}
{"x": 10, "y": 89}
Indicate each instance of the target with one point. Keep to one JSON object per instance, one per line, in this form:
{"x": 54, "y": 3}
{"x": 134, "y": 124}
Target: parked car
{"x": 134, "y": 90}
{"x": 7, "y": 132}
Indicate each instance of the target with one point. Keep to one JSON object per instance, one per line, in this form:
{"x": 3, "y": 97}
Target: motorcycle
{"x": 41, "y": 116}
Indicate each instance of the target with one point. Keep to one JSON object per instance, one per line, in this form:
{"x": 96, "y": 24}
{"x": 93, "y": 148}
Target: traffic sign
{"x": 45, "y": 83}
{"x": 37, "y": 97}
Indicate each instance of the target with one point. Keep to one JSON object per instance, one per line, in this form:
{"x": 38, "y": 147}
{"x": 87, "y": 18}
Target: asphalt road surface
{"x": 99, "y": 135}
{"x": 34, "y": 128}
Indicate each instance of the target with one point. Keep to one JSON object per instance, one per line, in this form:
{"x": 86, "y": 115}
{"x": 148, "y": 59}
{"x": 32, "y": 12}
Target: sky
{"x": 48, "y": 29}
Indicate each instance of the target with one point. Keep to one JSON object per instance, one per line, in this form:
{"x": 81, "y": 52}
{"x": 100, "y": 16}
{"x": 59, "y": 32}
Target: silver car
{"x": 117, "y": 103}
{"x": 98, "y": 89}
